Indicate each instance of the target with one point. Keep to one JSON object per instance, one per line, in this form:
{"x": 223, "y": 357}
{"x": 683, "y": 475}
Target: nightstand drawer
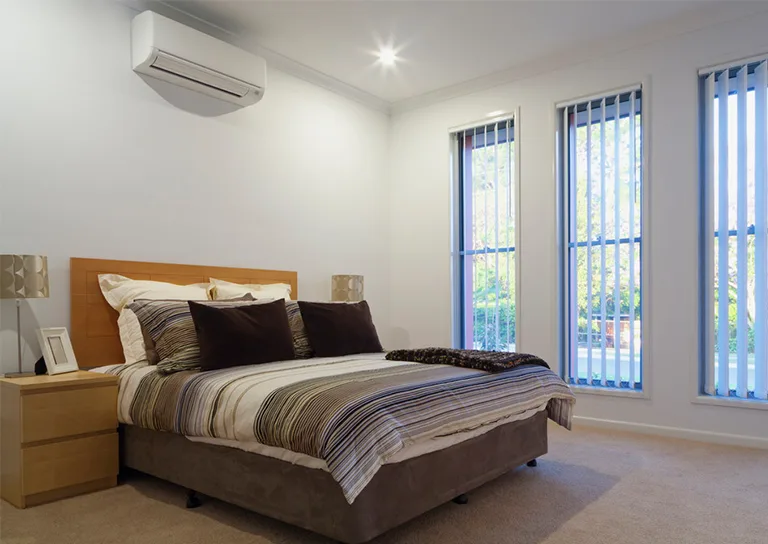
{"x": 67, "y": 413}
{"x": 72, "y": 462}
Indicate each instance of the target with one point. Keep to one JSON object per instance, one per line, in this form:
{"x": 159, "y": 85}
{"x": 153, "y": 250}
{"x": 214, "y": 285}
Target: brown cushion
{"x": 340, "y": 329}
{"x": 242, "y": 335}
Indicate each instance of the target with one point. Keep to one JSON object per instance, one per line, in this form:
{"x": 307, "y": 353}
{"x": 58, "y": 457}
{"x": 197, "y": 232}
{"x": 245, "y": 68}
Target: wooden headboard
{"x": 93, "y": 328}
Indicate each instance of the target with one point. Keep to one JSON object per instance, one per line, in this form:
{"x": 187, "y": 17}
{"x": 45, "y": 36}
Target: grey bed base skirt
{"x": 311, "y": 499}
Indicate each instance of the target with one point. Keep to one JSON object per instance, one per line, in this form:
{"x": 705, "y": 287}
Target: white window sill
{"x": 609, "y": 392}
{"x": 731, "y": 402}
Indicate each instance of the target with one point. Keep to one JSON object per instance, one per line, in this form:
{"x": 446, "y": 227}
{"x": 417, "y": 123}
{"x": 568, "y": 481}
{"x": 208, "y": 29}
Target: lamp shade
{"x": 346, "y": 288}
{"x": 23, "y": 276}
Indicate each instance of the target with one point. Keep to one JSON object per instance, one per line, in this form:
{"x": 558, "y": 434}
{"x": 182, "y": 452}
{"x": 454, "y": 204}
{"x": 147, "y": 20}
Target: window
{"x": 600, "y": 199}
{"x": 735, "y": 230}
{"x": 485, "y": 182}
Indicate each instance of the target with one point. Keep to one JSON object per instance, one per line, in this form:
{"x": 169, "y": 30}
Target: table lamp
{"x": 346, "y": 288}
{"x": 22, "y": 276}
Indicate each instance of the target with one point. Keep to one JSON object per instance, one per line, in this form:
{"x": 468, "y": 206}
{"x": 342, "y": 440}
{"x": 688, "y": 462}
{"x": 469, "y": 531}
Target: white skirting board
{"x": 673, "y": 432}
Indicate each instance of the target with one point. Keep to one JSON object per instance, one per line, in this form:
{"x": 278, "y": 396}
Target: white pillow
{"x": 120, "y": 291}
{"x": 221, "y": 290}
{"x": 131, "y": 337}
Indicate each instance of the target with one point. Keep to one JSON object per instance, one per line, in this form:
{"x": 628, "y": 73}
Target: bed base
{"x": 311, "y": 499}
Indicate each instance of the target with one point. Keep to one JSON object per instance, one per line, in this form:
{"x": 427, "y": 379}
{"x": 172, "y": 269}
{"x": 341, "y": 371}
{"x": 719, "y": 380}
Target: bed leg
{"x": 532, "y": 463}
{"x": 461, "y": 499}
{"x": 193, "y": 501}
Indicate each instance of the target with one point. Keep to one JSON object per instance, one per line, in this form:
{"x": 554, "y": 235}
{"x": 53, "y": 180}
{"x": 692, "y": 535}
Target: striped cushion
{"x": 301, "y": 345}
{"x": 168, "y": 325}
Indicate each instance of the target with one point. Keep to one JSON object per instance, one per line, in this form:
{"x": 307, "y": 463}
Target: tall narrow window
{"x": 601, "y": 172}
{"x": 735, "y": 230}
{"x": 484, "y": 169}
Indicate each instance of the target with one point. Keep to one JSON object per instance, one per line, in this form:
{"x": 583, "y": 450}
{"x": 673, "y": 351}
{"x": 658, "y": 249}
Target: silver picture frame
{"x": 57, "y": 350}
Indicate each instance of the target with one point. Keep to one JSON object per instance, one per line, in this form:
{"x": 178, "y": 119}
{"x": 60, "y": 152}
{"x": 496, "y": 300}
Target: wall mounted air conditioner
{"x": 168, "y": 50}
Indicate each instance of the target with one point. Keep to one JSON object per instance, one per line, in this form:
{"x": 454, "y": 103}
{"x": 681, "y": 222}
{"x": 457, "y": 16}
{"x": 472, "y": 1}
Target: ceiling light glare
{"x": 387, "y": 56}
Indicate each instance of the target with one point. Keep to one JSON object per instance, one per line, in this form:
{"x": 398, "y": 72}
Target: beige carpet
{"x": 594, "y": 487}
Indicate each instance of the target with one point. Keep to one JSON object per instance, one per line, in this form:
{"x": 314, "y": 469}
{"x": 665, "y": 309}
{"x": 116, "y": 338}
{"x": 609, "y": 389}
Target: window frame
{"x": 706, "y": 308}
{"x": 457, "y": 223}
{"x": 562, "y": 225}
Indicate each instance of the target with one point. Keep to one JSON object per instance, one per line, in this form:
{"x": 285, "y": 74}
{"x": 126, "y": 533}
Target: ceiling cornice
{"x": 691, "y": 21}
{"x": 700, "y": 18}
{"x": 273, "y": 58}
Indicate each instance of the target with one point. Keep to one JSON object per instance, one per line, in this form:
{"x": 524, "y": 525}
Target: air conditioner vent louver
{"x": 198, "y": 74}
{"x": 167, "y": 50}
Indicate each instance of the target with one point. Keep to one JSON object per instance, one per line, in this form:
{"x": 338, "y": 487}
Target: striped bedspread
{"x": 353, "y": 412}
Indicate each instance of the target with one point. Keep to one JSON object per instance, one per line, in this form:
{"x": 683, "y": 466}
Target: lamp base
{"x": 12, "y": 375}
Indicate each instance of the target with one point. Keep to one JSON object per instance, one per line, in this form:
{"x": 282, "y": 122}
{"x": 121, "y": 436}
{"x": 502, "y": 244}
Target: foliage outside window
{"x": 487, "y": 222}
{"x": 735, "y": 230}
{"x": 601, "y": 210}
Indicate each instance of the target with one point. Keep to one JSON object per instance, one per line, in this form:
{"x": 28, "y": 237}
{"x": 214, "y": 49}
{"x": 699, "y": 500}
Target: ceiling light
{"x": 387, "y": 56}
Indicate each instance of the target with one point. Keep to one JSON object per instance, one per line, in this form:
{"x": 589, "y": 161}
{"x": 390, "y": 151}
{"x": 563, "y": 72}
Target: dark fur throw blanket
{"x": 489, "y": 361}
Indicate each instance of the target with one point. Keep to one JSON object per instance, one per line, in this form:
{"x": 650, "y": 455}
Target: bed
{"x": 280, "y": 483}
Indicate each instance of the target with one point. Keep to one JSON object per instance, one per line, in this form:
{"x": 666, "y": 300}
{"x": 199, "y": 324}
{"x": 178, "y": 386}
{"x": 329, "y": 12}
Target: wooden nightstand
{"x": 58, "y": 436}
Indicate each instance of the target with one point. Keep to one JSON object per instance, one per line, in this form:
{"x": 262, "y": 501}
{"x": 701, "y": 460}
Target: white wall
{"x": 95, "y": 162}
{"x": 420, "y": 193}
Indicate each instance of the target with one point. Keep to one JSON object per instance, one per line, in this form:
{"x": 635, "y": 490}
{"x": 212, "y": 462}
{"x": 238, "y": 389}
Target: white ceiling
{"x": 440, "y": 44}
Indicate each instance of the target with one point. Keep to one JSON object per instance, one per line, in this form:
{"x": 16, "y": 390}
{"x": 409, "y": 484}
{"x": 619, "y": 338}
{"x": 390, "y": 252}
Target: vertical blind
{"x": 735, "y": 189}
{"x": 601, "y": 173}
{"x": 486, "y": 188}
